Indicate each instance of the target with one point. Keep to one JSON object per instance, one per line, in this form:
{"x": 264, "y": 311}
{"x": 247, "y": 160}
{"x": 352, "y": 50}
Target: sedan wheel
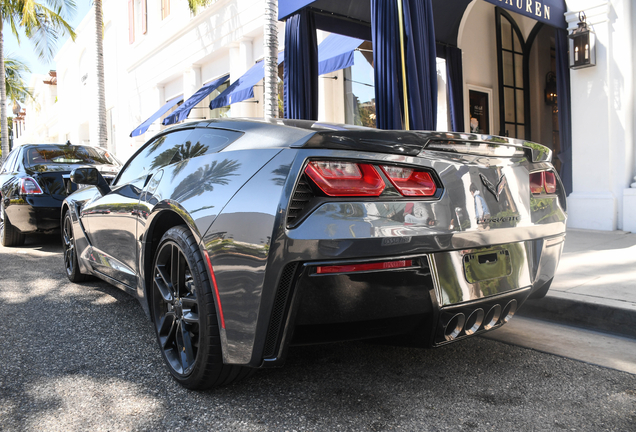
{"x": 184, "y": 314}
{"x": 9, "y": 235}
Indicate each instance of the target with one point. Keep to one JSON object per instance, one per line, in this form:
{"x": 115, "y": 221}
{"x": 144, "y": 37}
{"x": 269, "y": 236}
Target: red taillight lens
{"x": 351, "y": 268}
{"x": 410, "y": 182}
{"x": 536, "y": 182}
{"x": 550, "y": 182}
{"x": 543, "y": 182}
{"x": 345, "y": 178}
{"x": 29, "y": 186}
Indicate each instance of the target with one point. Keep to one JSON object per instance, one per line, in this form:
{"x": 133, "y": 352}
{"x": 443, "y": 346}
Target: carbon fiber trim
{"x": 279, "y": 310}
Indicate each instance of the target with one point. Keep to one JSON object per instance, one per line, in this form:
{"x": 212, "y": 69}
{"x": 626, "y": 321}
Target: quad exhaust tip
{"x": 474, "y": 321}
{"x": 509, "y": 311}
{"x": 479, "y": 320}
{"x": 454, "y": 327}
{"x": 492, "y": 317}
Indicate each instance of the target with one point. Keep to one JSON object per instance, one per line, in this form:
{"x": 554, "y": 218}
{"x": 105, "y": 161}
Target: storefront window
{"x": 511, "y": 86}
{"x": 360, "y": 90}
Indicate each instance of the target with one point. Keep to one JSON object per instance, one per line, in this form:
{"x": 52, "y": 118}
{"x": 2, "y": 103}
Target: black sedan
{"x": 241, "y": 238}
{"x": 34, "y": 180}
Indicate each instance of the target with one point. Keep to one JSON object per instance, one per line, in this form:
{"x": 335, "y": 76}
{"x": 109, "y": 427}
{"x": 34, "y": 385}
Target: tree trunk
{"x": 102, "y": 134}
{"x": 3, "y": 97}
{"x": 271, "y": 59}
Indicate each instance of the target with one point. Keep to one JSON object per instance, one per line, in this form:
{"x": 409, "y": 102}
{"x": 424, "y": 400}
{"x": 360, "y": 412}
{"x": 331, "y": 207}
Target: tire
{"x": 184, "y": 315}
{"x": 70, "y": 254}
{"x": 9, "y": 235}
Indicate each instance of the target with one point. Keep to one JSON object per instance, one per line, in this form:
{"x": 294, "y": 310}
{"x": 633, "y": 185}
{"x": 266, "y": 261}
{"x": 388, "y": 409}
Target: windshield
{"x": 66, "y": 154}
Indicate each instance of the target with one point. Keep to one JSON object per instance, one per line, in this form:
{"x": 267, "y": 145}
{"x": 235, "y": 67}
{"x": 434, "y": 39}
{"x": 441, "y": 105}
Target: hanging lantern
{"x": 582, "y": 45}
{"x": 550, "y": 89}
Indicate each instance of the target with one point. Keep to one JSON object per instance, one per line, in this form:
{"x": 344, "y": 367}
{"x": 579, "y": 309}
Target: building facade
{"x": 156, "y": 51}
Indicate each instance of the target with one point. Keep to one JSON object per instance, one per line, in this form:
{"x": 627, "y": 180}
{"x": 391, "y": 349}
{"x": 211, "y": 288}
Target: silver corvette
{"x": 241, "y": 238}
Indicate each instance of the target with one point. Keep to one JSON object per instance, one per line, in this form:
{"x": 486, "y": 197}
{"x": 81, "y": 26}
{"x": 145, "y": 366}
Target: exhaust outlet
{"x": 454, "y": 327}
{"x": 492, "y": 317}
{"x": 509, "y": 311}
{"x": 474, "y": 320}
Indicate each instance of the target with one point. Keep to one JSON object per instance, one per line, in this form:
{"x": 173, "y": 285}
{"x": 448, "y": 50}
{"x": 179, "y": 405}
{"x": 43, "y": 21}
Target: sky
{"x": 25, "y": 51}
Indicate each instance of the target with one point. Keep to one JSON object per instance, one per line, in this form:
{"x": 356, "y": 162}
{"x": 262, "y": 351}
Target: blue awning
{"x": 288, "y": 7}
{"x": 336, "y": 52}
{"x": 183, "y": 111}
{"x": 142, "y": 128}
{"x": 551, "y": 12}
{"x": 242, "y": 88}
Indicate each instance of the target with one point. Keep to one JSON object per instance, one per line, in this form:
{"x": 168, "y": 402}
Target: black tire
{"x": 184, "y": 315}
{"x": 70, "y": 254}
{"x": 9, "y": 235}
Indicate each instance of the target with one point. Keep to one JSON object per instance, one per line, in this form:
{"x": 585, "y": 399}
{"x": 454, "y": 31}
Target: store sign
{"x": 549, "y": 12}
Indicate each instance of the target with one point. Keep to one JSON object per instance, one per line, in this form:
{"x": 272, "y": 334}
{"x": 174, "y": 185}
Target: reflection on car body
{"x": 242, "y": 238}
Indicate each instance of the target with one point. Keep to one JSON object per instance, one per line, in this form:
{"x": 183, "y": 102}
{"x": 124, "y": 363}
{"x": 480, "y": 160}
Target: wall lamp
{"x": 582, "y": 45}
{"x": 550, "y": 89}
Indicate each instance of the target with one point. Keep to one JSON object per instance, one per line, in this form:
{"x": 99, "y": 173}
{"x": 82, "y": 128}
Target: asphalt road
{"x": 84, "y": 357}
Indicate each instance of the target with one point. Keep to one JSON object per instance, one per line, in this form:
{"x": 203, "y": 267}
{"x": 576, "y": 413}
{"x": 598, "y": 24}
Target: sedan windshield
{"x": 66, "y": 154}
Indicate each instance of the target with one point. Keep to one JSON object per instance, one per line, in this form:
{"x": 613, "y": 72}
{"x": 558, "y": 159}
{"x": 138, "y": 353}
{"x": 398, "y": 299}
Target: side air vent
{"x": 300, "y": 198}
{"x": 279, "y": 310}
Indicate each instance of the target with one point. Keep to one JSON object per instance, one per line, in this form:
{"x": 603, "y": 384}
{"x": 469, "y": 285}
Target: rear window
{"x": 64, "y": 154}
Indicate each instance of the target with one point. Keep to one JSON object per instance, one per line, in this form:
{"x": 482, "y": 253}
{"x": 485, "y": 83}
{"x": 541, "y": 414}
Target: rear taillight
{"x": 410, "y": 182}
{"x": 340, "y": 179}
{"x": 543, "y": 182}
{"x": 29, "y": 186}
{"x": 337, "y": 178}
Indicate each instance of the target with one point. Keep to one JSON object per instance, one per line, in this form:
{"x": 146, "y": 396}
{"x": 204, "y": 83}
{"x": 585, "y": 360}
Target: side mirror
{"x": 90, "y": 176}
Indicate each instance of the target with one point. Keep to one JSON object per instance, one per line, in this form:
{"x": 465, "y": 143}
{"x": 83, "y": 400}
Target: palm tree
{"x": 271, "y": 59}
{"x": 15, "y": 87}
{"x": 43, "y": 23}
{"x": 102, "y": 134}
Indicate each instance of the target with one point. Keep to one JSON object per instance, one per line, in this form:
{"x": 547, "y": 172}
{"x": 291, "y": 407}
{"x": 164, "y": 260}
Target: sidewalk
{"x": 595, "y": 284}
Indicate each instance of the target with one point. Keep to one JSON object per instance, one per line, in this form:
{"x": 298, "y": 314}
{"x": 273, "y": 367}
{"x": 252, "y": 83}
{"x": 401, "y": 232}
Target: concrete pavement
{"x": 595, "y": 284}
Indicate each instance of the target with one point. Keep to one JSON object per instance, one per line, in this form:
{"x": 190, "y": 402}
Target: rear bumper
{"x": 443, "y": 297}
{"x": 36, "y": 214}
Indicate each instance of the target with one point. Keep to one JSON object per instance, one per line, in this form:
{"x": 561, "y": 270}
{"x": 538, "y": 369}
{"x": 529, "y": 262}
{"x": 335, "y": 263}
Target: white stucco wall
{"x": 603, "y": 118}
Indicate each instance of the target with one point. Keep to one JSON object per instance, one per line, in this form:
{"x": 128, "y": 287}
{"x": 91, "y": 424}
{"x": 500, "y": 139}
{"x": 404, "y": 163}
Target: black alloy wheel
{"x": 70, "y": 255}
{"x": 185, "y": 316}
{"x": 9, "y": 235}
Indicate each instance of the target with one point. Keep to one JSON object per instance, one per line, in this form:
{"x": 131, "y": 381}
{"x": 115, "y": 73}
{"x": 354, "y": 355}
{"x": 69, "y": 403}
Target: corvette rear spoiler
{"x": 413, "y": 143}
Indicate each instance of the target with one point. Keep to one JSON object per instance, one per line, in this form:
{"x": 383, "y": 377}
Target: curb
{"x": 603, "y": 315}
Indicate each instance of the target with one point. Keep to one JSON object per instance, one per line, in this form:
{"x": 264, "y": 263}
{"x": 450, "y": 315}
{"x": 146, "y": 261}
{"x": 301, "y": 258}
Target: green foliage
{"x": 194, "y": 5}
{"x": 42, "y": 22}
{"x": 16, "y": 88}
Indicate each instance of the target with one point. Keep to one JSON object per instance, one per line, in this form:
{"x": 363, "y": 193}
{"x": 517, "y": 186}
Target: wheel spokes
{"x": 162, "y": 282}
{"x": 184, "y": 343}
{"x": 167, "y": 330}
{"x": 176, "y": 308}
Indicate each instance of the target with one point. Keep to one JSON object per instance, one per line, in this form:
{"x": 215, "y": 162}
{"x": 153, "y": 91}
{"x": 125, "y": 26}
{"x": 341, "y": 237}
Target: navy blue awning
{"x": 183, "y": 111}
{"x": 336, "y": 52}
{"x": 142, "y": 128}
{"x": 242, "y": 88}
{"x": 551, "y": 12}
